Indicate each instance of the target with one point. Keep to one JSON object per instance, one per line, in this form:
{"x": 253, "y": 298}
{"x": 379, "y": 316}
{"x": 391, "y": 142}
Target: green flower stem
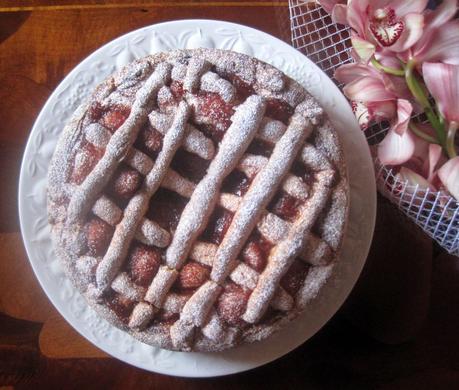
{"x": 386, "y": 69}
{"x": 421, "y": 134}
{"x": 450, "y": 147}
{"x": 420, "y": 94}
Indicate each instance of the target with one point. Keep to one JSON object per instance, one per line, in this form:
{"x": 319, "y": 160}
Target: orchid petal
{"x": 367, "y": 89}
{"x": 396, "y": 149}
{"x": 441, "y": 45}
{"x": 414, "y": 25}
{"x": 405, "y": 7}
{"x": 449, "y": 175}
{"x": 362, "y": 113}
{"x": 442, "y": 80}
{"x": 328, "y": 5}
{"x": 385, "y": 28}
{"x": 348, "y": 73}
{"x": 356, "y": 15}
{"x": 382, "y": 110}
{"x": 387, "y": 58}
{"x": 339, "y": 14}
{"x": 442, "y": 14}
{"x": 397, "y": 86}
{"x": 413, "y": 179}
{"x": 363, "y": 48}
{"x": 435, "y": 153}
{"x": 404, "y": 110}
{"x": 421, "y": 149}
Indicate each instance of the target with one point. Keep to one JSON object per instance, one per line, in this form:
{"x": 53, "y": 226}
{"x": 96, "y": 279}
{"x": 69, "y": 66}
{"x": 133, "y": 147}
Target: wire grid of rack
{"x": 328, "y": 45}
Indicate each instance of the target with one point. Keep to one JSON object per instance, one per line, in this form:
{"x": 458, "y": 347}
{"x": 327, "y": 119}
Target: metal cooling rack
{"x": 328, "y": 45}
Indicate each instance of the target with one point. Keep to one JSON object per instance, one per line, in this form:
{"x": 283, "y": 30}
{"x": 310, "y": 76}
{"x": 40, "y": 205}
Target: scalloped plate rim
{"x": 226, "y": 369}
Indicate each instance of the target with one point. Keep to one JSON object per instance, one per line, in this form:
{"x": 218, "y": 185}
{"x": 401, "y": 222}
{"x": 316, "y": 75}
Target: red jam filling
{"x": 218, "y": 225}
{"x": 285, "y": 206}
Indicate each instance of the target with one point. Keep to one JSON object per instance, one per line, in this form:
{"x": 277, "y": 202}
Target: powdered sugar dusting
{"x": 295, "y": 187}
{"x": 244, "y": 276}
{"x": 139, "y": 161}
{"x": 179, "y": 72}
{"x": 270, "y": 78}
{"x": 198, "y": 306}
{"x": 196, "y": 68}
{"x": 273, "y": 227}
{"x": 150, "y": 233}
{"x": 85, "y": 266}
{"x": 197, "y": 211}
{"x": 160, "y": 285}
{"x": 107, "y": 210}
{"x": 199, "y": 144}
{"x": 203, "y": 252}
{"x": 98, "y": 135}
{"x": 212, "y": 82}
{"x": 316, "y": 251}
{"x": 288, "y": 249}
{"x": 138, "y": 205}
{"x": 129, "y": 89}
{"x": 251, "y": 164}
{"x": 258, "y": 196}
{"x": 282, "y": 300}
{"x": 271, "y": 130}
{"x": 229, "y": 201}
{"x": 214, "y": 329}
{"x": 195, "y": 142}
{"x": 141, "y": 315}
{"x": 123, "y": 285}
{"x": 310, "y": 109}
{"x": 174, "y": 303}
{"x": 177, "y": 183}
{"x": 117, "y": 147}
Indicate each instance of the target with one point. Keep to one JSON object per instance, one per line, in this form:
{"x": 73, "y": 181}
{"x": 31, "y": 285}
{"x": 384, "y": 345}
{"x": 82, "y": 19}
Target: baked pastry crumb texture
{"x": 198, "y": 199}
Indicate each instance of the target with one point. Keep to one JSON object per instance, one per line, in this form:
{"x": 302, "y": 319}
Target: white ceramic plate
{"x": 77, "y": 86}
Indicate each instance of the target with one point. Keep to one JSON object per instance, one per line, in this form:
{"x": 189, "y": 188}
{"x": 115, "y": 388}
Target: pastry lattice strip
{"x": 150, "y": 233}
{"x": 118, "y": 146}
{"x": 289, "y": 248}
{"x": 166, "y": 276}
{"x": 203, "y": 297}
{"x": 250, "y": 165}
{"x": 259, "y": 194}
{"x": 237, "y": 138}
{"x": 245, "y": 123}
{"x": 138, "y": 205}
{"x": 242, "y": 275}
{"x": 252, "y": 205}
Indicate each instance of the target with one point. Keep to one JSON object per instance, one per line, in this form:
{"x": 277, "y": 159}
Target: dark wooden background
{"x": 399, "y": 328}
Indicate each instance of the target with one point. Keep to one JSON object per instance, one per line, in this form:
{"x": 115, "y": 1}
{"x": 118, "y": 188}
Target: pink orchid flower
{"x": 443, "y": 83}
{"x": 399, "y": 144}
{"x": 393, "y": 24}
{"x": 435, "y": 159}
{"x": 449, "y": 175}
{"x": 413, "y": 179}
{"x": 442, "y": 80}
{"x": 336, "y": 8}
{"x": 440, "y": 39}
{"x": 370, "y": 91}
{"x": 421, "y": 170}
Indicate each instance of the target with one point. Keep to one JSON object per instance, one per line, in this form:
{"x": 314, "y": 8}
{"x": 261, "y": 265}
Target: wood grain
{"x": 40, "y": 42}
{"x": 20, "y": 294}
{"x": 59, "y": 340}
{"x": 43, "y": 5}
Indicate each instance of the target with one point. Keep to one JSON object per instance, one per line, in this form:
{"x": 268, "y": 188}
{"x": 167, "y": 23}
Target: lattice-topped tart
{"x": 198, "y": 199}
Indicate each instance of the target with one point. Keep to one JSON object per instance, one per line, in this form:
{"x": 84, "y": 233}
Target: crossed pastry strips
{"x": 291, "y": 239}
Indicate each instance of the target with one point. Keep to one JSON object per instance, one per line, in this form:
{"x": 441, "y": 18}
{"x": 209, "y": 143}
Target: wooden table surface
{"x": 397, "y": 330}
